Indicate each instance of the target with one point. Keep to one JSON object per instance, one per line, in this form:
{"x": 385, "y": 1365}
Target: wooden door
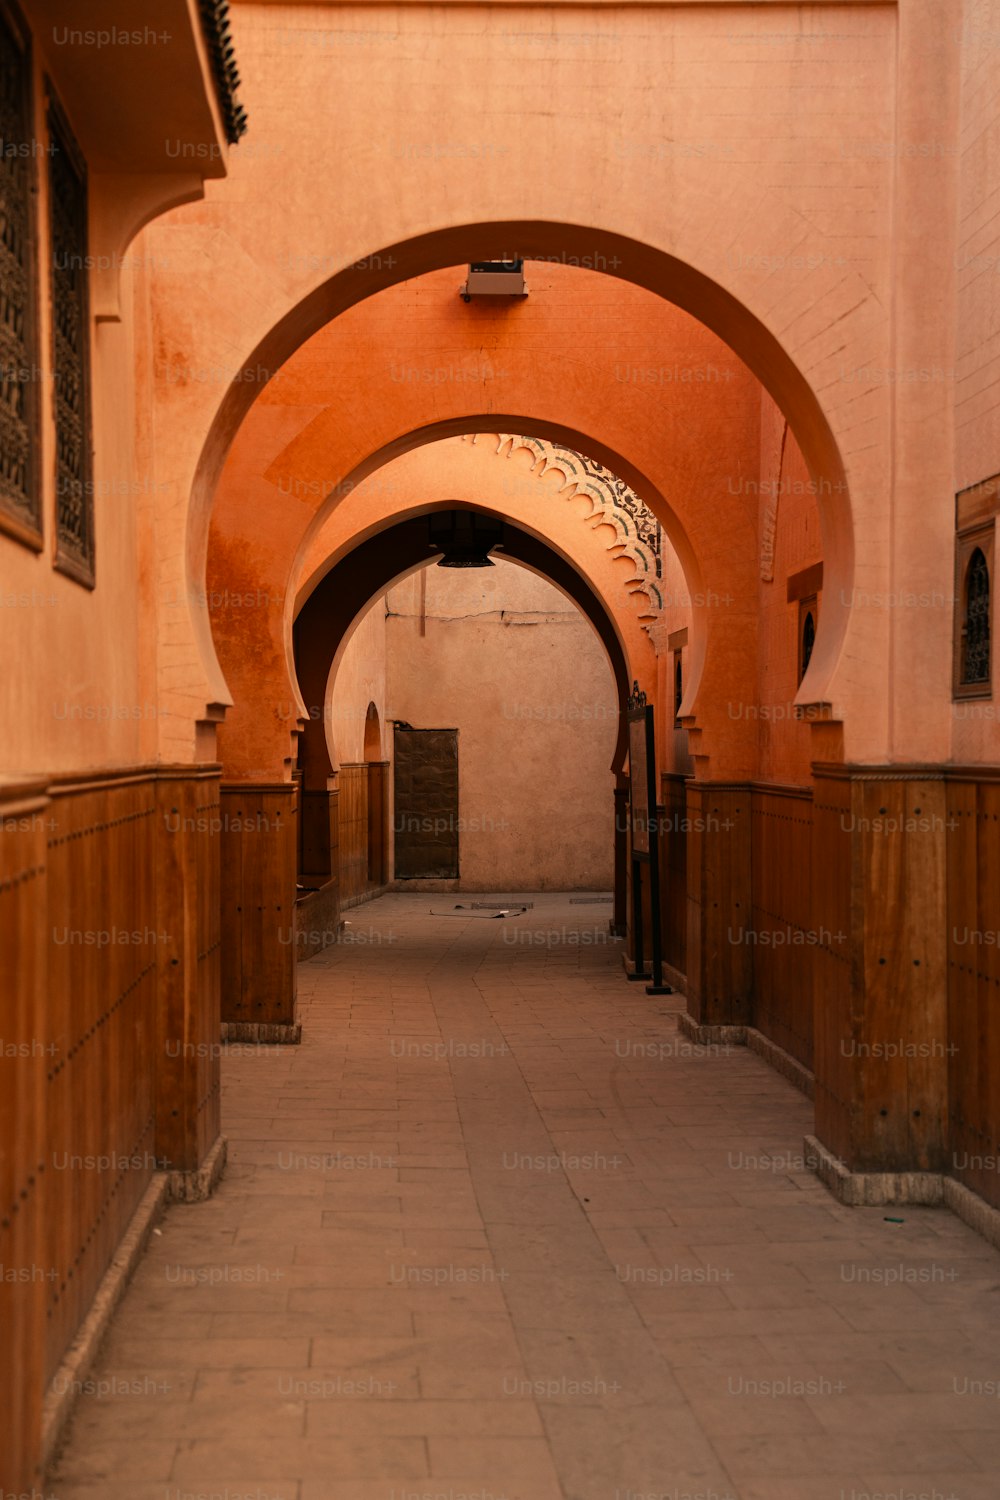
{"x": 425, "y": 821}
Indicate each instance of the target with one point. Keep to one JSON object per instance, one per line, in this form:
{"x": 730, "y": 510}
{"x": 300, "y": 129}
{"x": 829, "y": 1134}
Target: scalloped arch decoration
{"x": 638, "y": 534}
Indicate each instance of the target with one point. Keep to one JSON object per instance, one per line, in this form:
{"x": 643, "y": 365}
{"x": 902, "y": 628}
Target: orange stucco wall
{"x": 686, "y": 412}
{"x": 505, "y": 479}
{"x": 847, "y": 255}
{"x": 696, "y": 192}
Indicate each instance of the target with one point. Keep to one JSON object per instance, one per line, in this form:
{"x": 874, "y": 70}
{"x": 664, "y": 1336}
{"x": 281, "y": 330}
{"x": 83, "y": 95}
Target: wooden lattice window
{"x": 20, "y": 488}
{"x": 70, "y": 351}
{"x": 804, "y": 589}
{"x": 976, "y": 622}
{"x": 974, "y": 614}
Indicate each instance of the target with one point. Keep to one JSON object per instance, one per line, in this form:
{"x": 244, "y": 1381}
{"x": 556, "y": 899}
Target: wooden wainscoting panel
{"x": 988, "y": 982}
{"x": 900, "y": 1009}
{"x": 694, "y": 938}
{"x": 673, "y": 879}
{"x": 362, "y": 818}
{"x": 378, "y": 785}
{"x": 259, "y": 866}
{"x": 785, "y": 937}
{"x": 188, "y": 1065}
{"x": 204, "y": 866}
{"x": 318, "y": 842}
{"x": 832, "y": 974}
{"x": 103, "y": 944}
{"x": 719, "y": 956}
{"x": 353, "y": 833}
{"x": 231, "y": 801}
{"x": 24, "y": 1061}
{"x": 98, "y": 898}
{"x": 973, "y": 874}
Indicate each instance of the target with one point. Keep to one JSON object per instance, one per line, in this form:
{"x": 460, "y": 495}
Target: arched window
{"x": 678, "y": 684}
{"x": 808, "y": 616}
{"x": 976, "y": 620}
{"x": 808, "y": 641}
{"x": 373, "y": 734}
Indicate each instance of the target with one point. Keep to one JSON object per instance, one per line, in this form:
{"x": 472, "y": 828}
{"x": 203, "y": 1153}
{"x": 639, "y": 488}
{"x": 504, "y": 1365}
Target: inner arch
{"x": 625, "y": 259}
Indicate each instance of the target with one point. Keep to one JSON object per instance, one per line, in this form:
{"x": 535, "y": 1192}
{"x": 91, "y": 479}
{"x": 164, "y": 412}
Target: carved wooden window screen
{"x": 973, "y": 612}
{"x": 70, "y": 351}
{"x": 976, "y": 621}
{"x": 20, "y": 489}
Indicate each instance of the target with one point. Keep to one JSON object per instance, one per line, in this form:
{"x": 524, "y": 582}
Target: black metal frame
{"x": 640, "y": 713}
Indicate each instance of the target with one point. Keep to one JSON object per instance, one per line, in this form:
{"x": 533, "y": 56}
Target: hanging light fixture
{"x": 464, "y": 538}
{"x": 494, "y": 278}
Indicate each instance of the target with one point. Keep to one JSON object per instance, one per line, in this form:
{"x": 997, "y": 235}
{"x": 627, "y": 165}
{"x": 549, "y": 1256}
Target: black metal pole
{"x": 639, "y": 970}
{"x": 657, "y": 987}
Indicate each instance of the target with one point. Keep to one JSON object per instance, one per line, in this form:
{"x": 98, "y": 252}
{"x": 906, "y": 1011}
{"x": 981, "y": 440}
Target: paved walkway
{"x": 493, "y": 1231}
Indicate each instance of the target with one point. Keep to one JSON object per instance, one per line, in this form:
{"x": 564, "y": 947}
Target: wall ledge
{"x": 748, "y": 1036}
{"x": 74, "y": 1368}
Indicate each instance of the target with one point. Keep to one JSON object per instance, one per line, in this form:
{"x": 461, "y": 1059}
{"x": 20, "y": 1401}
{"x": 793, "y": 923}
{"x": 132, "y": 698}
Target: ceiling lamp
{"x": 494, "y": 278}
{"x": 464, "y": 538}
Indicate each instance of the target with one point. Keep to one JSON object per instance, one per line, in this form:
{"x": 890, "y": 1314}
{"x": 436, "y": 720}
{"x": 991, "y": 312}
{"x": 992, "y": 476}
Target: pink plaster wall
{"x": 507, "y": 660}
{"x": 770, "y": 224}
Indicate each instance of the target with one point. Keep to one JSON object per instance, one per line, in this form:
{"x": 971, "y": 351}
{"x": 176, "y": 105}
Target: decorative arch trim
{"x": 638, "y": 533}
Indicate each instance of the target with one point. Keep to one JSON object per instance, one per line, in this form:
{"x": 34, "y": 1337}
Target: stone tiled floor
{"x": 496, "y": 1231}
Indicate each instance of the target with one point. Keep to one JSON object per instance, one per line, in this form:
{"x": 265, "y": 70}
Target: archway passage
{"x": 343, "y": 593}
{"x": 751, "y": 858}
{"x": 699, "y": 452}
{"x": 315, "y": 454}
{"x": 365, "y": 305}
{"x": 685, "y": 435}
{"x": 321, "y": 629}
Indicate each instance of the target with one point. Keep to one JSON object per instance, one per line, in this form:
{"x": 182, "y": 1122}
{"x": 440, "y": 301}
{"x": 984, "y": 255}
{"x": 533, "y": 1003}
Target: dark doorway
{"x": 426, "y": 803}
